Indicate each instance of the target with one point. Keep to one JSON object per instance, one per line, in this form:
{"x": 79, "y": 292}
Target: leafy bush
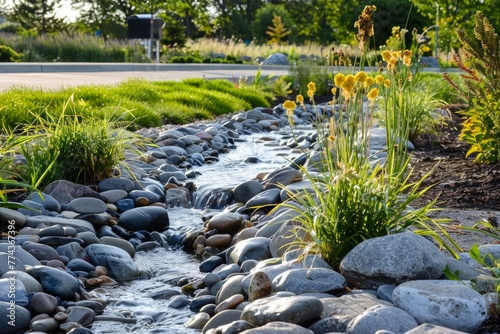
{"x": 7, "y": 55}
{"x": 481, "y": 126}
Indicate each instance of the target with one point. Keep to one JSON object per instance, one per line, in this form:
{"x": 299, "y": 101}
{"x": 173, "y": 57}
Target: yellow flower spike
{"x": 368, "y": 82}
{"x": 387, "y": 83}
{"x": 300, "y": 99}
{"x": 312, "y": 87}
{"x": 289, "y": 105}
{"x": 379, "y": 79}
{"x": 349, "y": 83}
{"x": 396, "y": 54}
{"x": 361, "y": 76}
{"x": 339, "y": 79}
{"x": 310, "y": 93}
{"x": 407, "y": 57}
{"x": 386, "y": 55}
{"x": 372, "y": 95}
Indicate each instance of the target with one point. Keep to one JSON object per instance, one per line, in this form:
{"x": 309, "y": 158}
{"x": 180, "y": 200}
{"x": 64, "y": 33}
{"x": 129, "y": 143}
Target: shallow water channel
{"x": 133, "y": 299}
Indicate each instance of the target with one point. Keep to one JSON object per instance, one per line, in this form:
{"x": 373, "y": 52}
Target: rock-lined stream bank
{"x": 70, "y": 254}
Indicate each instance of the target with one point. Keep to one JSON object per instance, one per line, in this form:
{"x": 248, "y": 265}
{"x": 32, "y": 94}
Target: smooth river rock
{"x": 14, "y": 318}
{"x": 445, "y": 303}
{"x": 293, "y": 309}
{"x": 392, "y": 259}
{"x": 57, "y": 282}
{"x": 150, "y": 218}
{"x": 119, "y": 263}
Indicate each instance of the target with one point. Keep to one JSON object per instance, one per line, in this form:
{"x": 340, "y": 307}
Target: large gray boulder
{"x": 392, "y": 259}
{"x": 445, "y": 303}
{"x": 276, "y": 59}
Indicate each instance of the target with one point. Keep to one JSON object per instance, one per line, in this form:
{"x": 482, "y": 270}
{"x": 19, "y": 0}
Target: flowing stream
{"x": 134, "y": 299}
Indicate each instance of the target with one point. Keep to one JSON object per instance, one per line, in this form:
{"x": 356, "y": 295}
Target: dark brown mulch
{"x": 459, "y": 182}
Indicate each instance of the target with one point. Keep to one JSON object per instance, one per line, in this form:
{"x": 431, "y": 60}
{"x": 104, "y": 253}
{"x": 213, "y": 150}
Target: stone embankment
{"x": 74, "y": 240}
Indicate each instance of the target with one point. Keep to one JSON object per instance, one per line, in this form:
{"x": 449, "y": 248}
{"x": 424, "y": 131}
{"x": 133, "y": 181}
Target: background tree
{"x": 277, "y": 31}
{"x": 105, "y": 17}
{"x": 234, "y": 18}
{"x": 37, "y": 15}
{"x": 264, "y": 19}
{"x": 453, "y": 15}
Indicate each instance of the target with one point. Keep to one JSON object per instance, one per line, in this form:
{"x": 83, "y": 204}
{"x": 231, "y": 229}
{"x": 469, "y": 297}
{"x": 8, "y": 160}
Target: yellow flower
{"x": 360, "y": 76}
{"x": 396, "y": 54}
{"x": 339, "y": 79}
{"x": 387, "y": 83}
{"x": 349, "y": 83}
{"x": 334, "y": 91}
{"x": 372, "y": 95}
{"x": 386, "y": 55}
{"x": 289, "y": 105}
{"x": 407, "y": 57}
{"x": 300, "y": 99}
{"x": 312, "y": 87}
{"x": 368, "y": 82}
{"x": 379, "y": 79}
{"x": 310, "y": 93}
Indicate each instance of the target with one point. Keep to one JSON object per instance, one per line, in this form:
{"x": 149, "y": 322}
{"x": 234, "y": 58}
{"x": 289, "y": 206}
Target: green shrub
{"x": 481, "y": 126}
{"x": 7, "y": 55}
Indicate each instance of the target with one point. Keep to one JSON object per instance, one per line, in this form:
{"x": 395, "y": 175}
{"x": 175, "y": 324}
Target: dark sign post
{"x": 151, "y": 29}
{"x": 147, "y": 28}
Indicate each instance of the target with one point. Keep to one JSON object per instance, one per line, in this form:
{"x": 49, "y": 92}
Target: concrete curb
{"x": 125, "y": 67}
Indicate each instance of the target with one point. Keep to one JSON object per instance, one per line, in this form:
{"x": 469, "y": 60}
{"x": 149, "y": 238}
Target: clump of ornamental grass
{"x": 9, "y": 180}
{"x": 355, "y": 197}
{"x": 81, "y": 149}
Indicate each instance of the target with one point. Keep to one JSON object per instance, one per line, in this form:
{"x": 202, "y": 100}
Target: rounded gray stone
{"x": 382, "y": 318}
{"x": 453, "y": 304}
{"x": 118, "y": 262}
{"x": 114, "y": 195}
{"x": 87, "y": 205}
{"x": 246, "y": 190}
{"x": 151, "y": 218}
{"x": 30, "y": 283}
{"x": 15, "y": 318}
{"x": 222, "y": 318}
{"x": 292, "y": 309}
{"x": 392, "y": 259}
{"x": 13, "y": 290}
{"x": 57, "y": 282}
{"x": 120, "y": 243}
{"x": 116, "y": 183}
{"x": 308, "y": 280}
{"x": 42, "y": 302}
{"x": 251, "y": 249}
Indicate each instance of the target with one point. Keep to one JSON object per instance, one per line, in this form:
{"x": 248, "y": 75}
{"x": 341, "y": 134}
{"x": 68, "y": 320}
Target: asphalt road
{"x": 46, "y": 76}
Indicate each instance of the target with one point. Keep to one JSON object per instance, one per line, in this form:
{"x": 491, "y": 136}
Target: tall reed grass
{"x": 74, "y": 48}
{"x": 236, "y": 48}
